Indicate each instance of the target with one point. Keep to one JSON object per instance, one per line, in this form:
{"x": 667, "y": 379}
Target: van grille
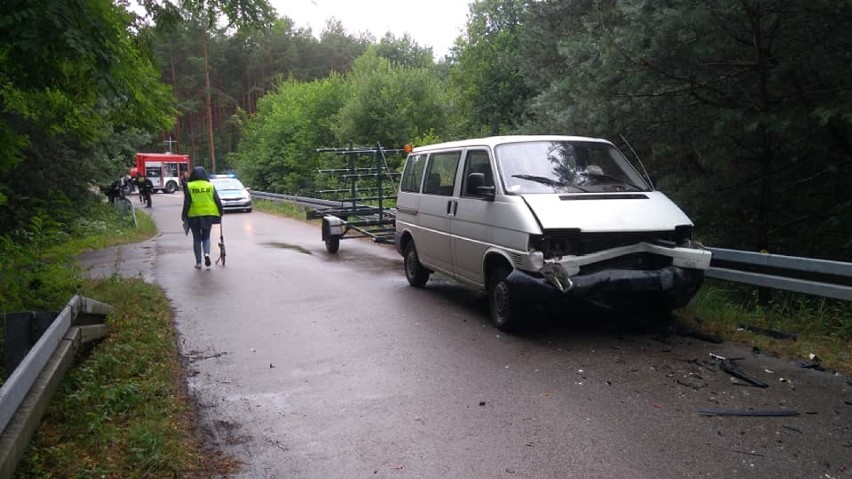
{"x": 637, "y": 261}
{"x": 593, "y": 242}
{"x": 556, "y": 243}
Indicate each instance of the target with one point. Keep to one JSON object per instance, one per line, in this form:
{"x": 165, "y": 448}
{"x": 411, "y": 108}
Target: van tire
{"x": 502, "y": 305}
{"x": 171, "y": 187}
{"x": 415, "y": 273}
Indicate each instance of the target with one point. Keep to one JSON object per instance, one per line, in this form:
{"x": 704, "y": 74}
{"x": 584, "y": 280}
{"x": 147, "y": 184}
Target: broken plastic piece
{"x": 770, "y": 332}
{"x": 809, "y": 365}
{"x": 731, "y": 368}
{"x": 709, "y": 411}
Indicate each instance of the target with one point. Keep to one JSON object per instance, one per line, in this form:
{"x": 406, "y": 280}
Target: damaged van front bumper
{"x": 577, "y": 276}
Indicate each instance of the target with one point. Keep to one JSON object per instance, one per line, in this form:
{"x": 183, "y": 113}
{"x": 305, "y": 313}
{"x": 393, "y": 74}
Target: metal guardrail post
{"x": 25, "y": 395}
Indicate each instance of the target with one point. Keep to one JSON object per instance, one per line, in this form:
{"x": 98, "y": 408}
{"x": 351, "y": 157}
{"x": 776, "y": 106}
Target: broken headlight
{"x": 557, "y": 243}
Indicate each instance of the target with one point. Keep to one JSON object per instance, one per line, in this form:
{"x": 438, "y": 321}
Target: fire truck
{"x": 163, "y": 169}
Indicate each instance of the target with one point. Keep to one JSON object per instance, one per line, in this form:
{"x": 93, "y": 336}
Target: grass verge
{"x": 122, "y": 410}
{"x": 823, "y": 327}
{"x": 281, "y": 208}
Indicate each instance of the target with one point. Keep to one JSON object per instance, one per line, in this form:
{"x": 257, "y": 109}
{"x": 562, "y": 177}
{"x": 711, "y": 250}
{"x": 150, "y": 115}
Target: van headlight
{"x": 557, "y": 243}
{"x": 682, "y": 233}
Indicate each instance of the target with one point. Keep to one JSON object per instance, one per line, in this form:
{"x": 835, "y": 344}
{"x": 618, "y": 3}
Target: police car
{"x": 234, "y": 195}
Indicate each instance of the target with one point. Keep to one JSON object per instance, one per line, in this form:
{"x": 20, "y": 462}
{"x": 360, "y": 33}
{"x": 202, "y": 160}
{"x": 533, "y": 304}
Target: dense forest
{"x": 741, "y": 109}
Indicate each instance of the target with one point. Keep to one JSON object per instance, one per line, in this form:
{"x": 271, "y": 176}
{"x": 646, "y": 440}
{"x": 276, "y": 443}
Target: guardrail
{"x": 299, "y": 200}
{"x": 37, "y": 371}
{"x": 830, "y": 279}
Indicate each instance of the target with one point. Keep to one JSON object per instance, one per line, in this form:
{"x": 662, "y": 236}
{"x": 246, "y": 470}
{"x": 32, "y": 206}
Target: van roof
{"x": 493, "y": 141}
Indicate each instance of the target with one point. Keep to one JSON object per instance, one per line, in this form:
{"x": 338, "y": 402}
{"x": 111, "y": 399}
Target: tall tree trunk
{"x": 760, "y": 52}
{"x": 177, "y": 94}
{"x": 210, "y": 142}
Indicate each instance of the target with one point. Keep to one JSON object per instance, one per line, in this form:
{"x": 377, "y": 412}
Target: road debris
{"x": 693, "y": 381}
{"x": 769, "y": 332}
{"x": 809, "y": 365}
{"x": 710, "y": 411}
{"x": 730, "y": 367}
{"x": 749, "y": 453}
{"x": 694, "y": 333}
{"x": 814, "y": 363}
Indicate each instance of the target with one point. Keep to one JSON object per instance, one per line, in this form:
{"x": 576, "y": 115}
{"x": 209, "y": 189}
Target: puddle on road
{"x": 288, "y": 246}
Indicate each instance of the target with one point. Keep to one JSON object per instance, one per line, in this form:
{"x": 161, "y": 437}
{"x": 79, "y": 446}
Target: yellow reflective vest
{"x": 201, "y": 199}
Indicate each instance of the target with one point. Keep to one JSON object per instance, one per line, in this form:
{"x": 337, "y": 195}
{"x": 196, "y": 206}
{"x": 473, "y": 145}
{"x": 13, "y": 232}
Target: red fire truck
{"x": 163, "y": 169}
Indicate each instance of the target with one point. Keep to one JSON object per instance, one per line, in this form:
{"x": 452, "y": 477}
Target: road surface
{"x": 311, "y": 365}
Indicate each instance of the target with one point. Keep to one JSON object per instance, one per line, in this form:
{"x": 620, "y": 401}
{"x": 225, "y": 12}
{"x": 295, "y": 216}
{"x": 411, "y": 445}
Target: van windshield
{"x": 565, "y": 167}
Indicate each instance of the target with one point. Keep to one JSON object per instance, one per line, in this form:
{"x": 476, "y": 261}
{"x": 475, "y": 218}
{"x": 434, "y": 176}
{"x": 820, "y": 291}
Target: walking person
{"x": 202, "y": 208}
{"x": 146, "y": 187}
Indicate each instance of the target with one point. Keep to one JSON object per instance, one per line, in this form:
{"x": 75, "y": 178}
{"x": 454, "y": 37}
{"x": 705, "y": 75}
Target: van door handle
{"x": 455, "y": 207}
{"x": 449, "y": 206}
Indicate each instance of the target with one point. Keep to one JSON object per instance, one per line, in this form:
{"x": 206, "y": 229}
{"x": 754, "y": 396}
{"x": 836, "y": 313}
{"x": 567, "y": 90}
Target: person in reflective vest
{"x": 202, "y": 208}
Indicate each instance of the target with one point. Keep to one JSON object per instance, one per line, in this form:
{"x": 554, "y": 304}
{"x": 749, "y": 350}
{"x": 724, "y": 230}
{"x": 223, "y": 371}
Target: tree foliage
{"x": 743, "y": 100}
{"x": 244, "y": 65}
{"x": 279, "y": 142}
{"x": 389, "y": 103}
{"x": 377, "y": 102}
{"x": 73, "y": 81}
{"x": 492, "y": 92}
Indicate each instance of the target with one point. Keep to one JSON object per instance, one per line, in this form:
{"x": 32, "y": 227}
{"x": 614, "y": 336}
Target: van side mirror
{"x": 476, "y": 186}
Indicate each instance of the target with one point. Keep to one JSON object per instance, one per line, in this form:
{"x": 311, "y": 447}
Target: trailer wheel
{"x": 502, "y": 304}
{"x": 332, "y": 243}
{"x": 171, "y": 187}
{"x": 415, "y": 273}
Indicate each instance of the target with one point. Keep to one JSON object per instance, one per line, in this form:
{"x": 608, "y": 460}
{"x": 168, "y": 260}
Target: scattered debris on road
{"x": 814, "y": 363}
{"x": 709, "y": 411}
{"x": 729, "y": 366}
{"x": 769, "y": 332}
{"x": 694, "y": 333}
{"x": 692, "y": 380}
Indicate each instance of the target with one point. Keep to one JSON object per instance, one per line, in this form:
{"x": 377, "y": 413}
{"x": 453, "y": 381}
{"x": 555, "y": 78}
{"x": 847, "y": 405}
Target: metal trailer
{"x": 362, "y": 210}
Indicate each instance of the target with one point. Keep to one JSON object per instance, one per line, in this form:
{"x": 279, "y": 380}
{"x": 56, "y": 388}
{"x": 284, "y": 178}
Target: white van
{"x": 532, "y": 218}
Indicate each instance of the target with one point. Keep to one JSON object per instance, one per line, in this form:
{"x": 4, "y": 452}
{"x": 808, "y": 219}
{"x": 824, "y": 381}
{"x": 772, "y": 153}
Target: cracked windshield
{"x": 566, "y": 167}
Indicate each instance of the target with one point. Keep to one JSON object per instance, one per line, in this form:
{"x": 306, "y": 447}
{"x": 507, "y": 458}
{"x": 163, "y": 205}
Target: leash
{"x": 221, "y": 244}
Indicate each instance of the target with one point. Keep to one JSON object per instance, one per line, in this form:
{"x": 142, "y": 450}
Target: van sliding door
{"x": 436, "y": 209}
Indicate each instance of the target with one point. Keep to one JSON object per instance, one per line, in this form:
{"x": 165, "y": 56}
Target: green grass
{"x": 823, "y": 326}
{"x": 281, "y": 208}
{"x": 122, "y": 410}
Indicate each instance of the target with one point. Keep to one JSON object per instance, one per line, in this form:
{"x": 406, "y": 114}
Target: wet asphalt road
{"x": 310, "y": 365}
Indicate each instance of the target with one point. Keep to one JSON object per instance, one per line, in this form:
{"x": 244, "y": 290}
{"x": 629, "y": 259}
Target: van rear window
{"x": 413, "y": 173}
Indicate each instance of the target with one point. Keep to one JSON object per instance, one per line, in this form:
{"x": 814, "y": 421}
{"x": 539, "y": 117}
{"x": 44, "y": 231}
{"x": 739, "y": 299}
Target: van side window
{"x": 477, "y": 162}
{"x": 441, "y": 173}
{"x": 413, "y": 173}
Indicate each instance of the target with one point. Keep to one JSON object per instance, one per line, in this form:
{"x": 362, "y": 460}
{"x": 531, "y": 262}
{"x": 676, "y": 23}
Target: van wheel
{"x": 503, "y": 306}
{"x": 171, "y": 187}
{"x": 415, "y": 273}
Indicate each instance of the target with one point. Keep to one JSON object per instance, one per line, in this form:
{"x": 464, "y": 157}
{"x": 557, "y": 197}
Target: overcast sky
{"x": 431, "y": 23}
